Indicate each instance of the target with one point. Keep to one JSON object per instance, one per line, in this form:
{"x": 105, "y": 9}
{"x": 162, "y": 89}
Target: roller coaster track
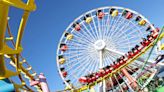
{"x": 14, "y": 54}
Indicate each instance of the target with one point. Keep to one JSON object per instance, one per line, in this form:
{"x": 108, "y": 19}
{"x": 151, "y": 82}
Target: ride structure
{"x": 110, "y": 49}
{"x": 20, "y": 77}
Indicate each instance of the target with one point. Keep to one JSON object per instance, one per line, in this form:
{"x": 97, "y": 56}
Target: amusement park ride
{"x": 109, "y": 49}
{"x": 10, "y": 52}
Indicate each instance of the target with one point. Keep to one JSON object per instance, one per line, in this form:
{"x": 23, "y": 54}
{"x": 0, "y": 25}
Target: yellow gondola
{"x": 62, "y": 60}
{"x": 88, "y": 20}
{"x": 142, "y": 22}
{"x": 114, "y": 13}
{"x": 69, "y": 37}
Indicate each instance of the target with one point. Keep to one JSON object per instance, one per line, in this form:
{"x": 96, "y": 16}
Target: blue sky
{"x": 47, "y": 23}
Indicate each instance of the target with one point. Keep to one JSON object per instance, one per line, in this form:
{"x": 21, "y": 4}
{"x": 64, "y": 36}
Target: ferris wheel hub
{"x": 99, "y": 45}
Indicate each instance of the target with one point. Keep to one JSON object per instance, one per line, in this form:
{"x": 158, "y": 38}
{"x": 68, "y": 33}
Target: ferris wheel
{"x": 110, "y": 48}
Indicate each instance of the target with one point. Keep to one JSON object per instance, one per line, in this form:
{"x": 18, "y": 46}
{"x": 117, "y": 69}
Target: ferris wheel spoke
{"x": 114, "y": 51}
{"x": 117, "y": 22}
{"x": 110, "y": 26}
{"x": 114, "y": 28}
{"x": 126, "y": 37}
{"x": 80, "y": 52}
{"x": 128, "y": 34}
{"x": 123, "y": 38}
{"x": 80, "y": 67}
{"x": 81, "y": 37}
{"x": 73, "y": 49}
{"x": 86, "y": 40}
{"x": 99, "y": 28}
{"x": 92, "y": 67}
{"x": 109, "y": 60}
{"x": 131, "y": 45}
{"x": 135, "y": 38}
{"x": 109, "y": 21}
{"x": 84, "y": 69}
{"x": 73, "y": 59}
{"x": 105, "y": 20}
{"x": 121, "y": 29}
{"x": 93, "y": 31}
{"x": 122, "y": 49}
{"x": 90, "y": 70}
{"x": 107, "y": 25}
{"x": 78, "y": 55}
{"x": 96, "y": 24}
{"x": 120, "y": 35}
{"x": 112, "y": 57}
{"x": 119, "y": 25}
{"x": 85, "y": 32}
{"x": 88, "y": 32}
{"x": 134, "y": 27}
{"x": 73, "y": 56}
{"x": 114, "y": 25}
{"x": 78, "y": 44}
{"x": 95, "y": 27}
{"x": 76, "y": 63}
{"x": 103, "y": 25}
{"x": 126, "y": 42}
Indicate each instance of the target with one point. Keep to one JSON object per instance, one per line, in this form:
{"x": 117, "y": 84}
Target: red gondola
{"x": 63, "y": 47}
{"x": 129, "y": 15}
{"x": 77, "y": 26}
{"x": 100, "y": 14}
{"x": 64, "y": 73}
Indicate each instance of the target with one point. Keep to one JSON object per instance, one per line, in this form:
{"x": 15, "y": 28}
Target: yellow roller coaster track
{"x": 14, "y": 54}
